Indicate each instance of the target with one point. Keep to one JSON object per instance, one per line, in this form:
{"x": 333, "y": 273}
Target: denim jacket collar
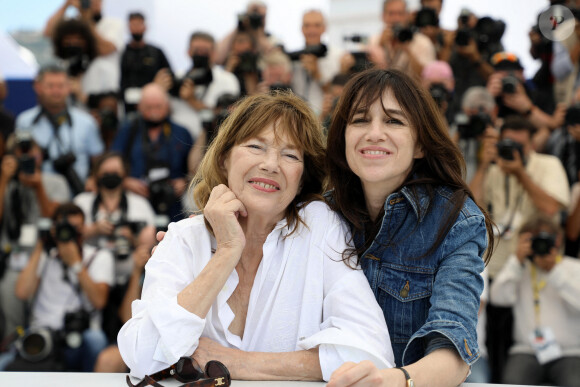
{"x": 419, "y": 207}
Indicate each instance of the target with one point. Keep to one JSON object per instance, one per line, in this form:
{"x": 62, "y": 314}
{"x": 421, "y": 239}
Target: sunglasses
{"x": 187, "y": 371}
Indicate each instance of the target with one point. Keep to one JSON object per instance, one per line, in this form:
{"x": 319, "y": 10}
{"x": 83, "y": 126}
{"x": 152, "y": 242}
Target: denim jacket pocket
{"x": 405, "y": 292}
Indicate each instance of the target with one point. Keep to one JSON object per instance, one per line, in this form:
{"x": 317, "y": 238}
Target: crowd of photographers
{"x": 104, "y": 159}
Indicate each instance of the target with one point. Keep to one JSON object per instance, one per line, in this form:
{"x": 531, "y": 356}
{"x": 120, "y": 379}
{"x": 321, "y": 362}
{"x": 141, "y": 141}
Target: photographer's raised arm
{"x": 8, "y": 169}
{"x": 58, "y": 16}
{"x": 28, "y": 279}
{"x": 96, "y": 292}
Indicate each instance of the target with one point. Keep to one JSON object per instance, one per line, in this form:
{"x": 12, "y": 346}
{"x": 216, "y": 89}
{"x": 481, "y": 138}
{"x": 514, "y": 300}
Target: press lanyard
{"x": 537, "y": 288}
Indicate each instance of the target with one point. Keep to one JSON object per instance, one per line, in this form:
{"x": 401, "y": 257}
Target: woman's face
{"x": 380, "y": 148}
{"x": 113, "y": 165}
{"x": 265, "y": 172}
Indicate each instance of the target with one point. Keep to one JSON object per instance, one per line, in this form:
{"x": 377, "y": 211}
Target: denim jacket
{"x": 428, "y": 301}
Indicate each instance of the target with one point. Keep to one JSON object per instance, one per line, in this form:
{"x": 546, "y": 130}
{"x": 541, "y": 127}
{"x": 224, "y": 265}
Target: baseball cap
{"x": 505, "y": 61}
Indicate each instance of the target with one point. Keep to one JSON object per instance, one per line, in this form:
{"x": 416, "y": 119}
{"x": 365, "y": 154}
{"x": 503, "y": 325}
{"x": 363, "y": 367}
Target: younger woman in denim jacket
{"x": 419, "y": 236}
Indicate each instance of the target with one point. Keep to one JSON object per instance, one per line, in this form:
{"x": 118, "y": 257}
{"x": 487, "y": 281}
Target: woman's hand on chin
{"x": 222, "y": 211}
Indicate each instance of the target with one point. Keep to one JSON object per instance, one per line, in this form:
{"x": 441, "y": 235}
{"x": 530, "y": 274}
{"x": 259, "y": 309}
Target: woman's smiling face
{"x": 265, "y": 172}
{"x": 381, "y": 145}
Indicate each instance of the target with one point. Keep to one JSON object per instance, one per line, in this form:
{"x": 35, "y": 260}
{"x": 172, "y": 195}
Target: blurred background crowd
{"x": 98, "y": 148}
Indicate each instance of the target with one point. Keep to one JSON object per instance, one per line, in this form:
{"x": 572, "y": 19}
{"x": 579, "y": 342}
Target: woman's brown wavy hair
{"x": 291, "y": 116}
{"x": 442, "y": 164}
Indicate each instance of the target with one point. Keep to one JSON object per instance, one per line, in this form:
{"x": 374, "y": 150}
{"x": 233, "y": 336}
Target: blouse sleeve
{"x": 353, "y": 326}
{"x": 160, "y": 331}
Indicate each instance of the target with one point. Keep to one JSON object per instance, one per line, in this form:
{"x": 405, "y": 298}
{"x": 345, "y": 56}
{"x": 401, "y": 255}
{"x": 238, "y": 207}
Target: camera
{"x": 487, "y": 34}
{"x": 161, "y": 195}
{"x": 64, "y": 231}
{"x": 572, "y": 115}
{"x": 75, "y": 323}
{"x": 403, "y": 34}
{"x": 509, "y": 84}
{"x": 26, "y": 163}
{"x": 361, "y": 61}
{"x": 318, "y": 50}
{"x": 542, "y": 243}
{"x": 426, "y": 17}
{"x": 506, "y": 148}
{"x": 253, "y": 20}
{"x": 122, "y": 246}
{"x": 36, "y": 344}
{"x": 64, "y": 166}
{"x": 201, "y": 73}
{"x": 472, "y": 126}
{"x": 463, "y": 36}
{"x": 439, "y": 93}
{"x": 248, "y": 62}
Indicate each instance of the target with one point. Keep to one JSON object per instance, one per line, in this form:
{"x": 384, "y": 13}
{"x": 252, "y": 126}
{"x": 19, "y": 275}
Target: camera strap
{"x": 151, "y": 151}
{"x": 512, "y": 215}
{"x": 537, "y": 287}
{"x": 77, "y": 286}
{"x": 55, "y": 123}
{"x": 123, "y": 206}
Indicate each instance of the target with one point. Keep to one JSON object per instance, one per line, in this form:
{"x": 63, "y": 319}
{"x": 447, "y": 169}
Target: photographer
{"x": 104, "y": 109}
{"x": 252, "y": 21}
{"x": 543, "y": 289}
{"x": 75, "y": 44}
{"x": 204, "y": 82}
{"x": 314, "y": 66}
{"x": 69, "y": 284}
{"x": 68, "y": 135}
{"x": 427, "y": 22}
{"x": 141, "y": 62}
{"x": 116, "y": 220}
{"x": 513, "y": 182}
{"x": 26, "y": 194}
{"x": 513, "y": 96}
{"x": 276, "y": 74}
{"x": 156, "y": 150}
{"x": 399, "y": 46}
{"x": 475, "y": 126}
{"x": 103, "y": 73}
{"x": 242, "y": 61}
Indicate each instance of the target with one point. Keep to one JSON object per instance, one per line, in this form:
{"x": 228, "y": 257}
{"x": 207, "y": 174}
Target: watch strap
{"x": 77, "y": 268}
{"x": 410, "y": 382}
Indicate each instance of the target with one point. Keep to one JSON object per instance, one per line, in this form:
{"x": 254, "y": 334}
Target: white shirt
{"x": 55, "y": 297}
{"x": 303, "y": 296}
{"x": 223, "y": 82}
{"x": 310, "y": 89}
{"x": 559, "y": 302}
{"x": 138, "y": 210}
{"x": 104, "y": 72}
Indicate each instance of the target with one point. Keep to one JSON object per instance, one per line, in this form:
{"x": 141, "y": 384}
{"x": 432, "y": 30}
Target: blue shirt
{"x": 80, "y": 136}
{"x": 428, "y": 301}
{"x": 172, "y": 147}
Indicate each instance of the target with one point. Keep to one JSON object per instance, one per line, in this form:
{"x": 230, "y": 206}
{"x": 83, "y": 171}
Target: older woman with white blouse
{"x": 259, "y": 281}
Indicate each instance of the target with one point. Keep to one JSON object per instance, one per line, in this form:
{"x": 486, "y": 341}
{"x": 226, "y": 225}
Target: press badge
{"x": 28, "y": 235}
{"x": 545, "y": 345}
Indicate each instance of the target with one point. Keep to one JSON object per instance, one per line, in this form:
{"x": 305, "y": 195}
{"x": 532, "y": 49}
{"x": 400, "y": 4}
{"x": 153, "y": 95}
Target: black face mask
{"x": 137, "y": 37}
{"x": 154, "y": 123}
{"x": 200, "y": 61}
{"x": 110, "y": 181}
{"x": 97, "y": 17}
{"x": 72, "y": 52}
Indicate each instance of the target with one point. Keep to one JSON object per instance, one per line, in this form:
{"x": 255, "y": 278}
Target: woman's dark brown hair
{"x": 291, "y": 116}
{"x": 442, "y": 164}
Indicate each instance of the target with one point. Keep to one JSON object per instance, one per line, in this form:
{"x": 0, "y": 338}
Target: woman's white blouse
{"x": 303, "y": 296}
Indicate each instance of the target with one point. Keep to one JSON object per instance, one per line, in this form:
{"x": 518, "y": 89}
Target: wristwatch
{"x": 77, "y": 268}
{"x": 410, "y": 382}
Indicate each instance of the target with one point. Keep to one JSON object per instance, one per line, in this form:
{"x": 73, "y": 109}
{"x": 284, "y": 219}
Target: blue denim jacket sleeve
{"x": 456, "y": 289}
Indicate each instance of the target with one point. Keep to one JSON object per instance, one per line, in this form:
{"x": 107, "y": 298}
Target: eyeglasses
{"x": 187, "y": 371}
